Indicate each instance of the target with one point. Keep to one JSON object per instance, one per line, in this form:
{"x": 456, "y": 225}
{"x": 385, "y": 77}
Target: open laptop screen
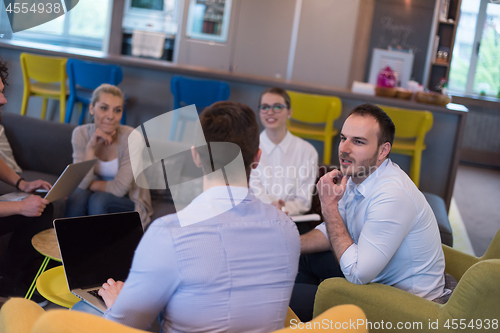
{"x": 95, "y": 248}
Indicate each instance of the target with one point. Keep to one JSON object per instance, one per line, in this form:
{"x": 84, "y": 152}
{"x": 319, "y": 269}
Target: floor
{"x": 474, "y": 213}
{"x": 477, "y": 194}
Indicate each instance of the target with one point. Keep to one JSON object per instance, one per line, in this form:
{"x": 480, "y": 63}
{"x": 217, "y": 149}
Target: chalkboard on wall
{"x": 402, "y": 24}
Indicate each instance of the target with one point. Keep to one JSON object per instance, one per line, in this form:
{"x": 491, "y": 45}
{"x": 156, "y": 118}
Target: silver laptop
{"x": 66, "y": 184}
{"x": 96, "y": 248}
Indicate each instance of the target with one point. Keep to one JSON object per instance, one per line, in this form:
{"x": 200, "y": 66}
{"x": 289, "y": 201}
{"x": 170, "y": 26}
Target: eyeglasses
{"x": 276, "y": 107}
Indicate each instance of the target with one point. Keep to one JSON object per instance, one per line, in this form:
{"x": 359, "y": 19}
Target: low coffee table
{"x": 45, "y": 242}
{"x": 51, "y": 284}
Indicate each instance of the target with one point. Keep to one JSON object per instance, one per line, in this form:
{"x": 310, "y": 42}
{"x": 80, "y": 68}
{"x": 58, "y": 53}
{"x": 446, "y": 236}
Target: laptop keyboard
{"x": 94, "y": 293}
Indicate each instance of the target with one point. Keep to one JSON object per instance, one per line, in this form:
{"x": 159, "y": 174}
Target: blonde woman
{"x": 109, "y": 187}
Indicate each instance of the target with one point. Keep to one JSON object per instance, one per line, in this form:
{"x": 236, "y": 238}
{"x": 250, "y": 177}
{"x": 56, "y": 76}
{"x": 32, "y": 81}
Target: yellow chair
{"x": 475, "y": 298}
{"x": 313, "y": 117}
{"x": 411, "y": 128}
{"x": 24, "y": 316}
{"x": 49, "y": 81}
{"x": 52, "y": 285}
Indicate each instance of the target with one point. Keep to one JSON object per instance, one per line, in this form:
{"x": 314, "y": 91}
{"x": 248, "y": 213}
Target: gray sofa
{"x": 43, "y": 149}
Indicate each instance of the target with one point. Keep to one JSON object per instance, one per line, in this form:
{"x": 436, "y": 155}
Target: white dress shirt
{"x": 395, "y": 233}
{"x": 230, "y": 273}
{"x": 286, "y": 171}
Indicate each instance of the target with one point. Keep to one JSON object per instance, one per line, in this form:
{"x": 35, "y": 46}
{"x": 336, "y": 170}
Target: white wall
{"x": 261, "y": 40}
{"x": 325, "y": 42}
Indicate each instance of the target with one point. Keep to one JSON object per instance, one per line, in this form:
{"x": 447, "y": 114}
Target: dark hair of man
{"x": 386, "y": 126}
{"x": 230, "y": 122}
{"x": 3, "y": 71}
{"x": 278, "y": 91}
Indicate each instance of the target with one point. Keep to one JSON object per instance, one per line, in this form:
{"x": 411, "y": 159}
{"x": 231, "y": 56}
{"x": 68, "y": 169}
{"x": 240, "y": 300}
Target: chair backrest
{"x": 18, "y": 315}
{"x": 336, "y": 319}
{"x": 309, "y": 108}
{"x": 202, "y": 93}
{"x": 493, "y": 251}
{"x": 476, "y": 296}
{"x": 43, "y": 68}
{"x": 91, "y": 75}
{"x": 409, "y": 123}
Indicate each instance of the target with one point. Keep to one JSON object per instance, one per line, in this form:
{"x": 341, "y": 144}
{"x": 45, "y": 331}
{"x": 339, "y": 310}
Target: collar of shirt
{"x": 217, "y": 193}
{"x": 213, "y": 202}
{"x": 365, "y": 187}
{"x": 268, "y": 146}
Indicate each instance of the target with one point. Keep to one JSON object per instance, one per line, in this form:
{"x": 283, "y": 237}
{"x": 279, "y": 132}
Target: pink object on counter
{"x": 386, "y": 78}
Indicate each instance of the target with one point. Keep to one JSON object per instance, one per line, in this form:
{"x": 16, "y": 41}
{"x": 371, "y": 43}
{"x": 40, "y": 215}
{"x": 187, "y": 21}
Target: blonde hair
{"x": 105, "y": 88}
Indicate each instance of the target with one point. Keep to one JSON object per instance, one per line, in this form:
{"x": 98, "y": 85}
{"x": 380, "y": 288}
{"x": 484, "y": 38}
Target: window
{"x": 84, "y": 26}
{"x": 475, "y": 67}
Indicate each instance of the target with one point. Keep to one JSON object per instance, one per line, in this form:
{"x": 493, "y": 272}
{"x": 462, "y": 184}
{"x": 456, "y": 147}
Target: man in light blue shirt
{"x": 378, "y": 226}
{"x": 232, "y": 271}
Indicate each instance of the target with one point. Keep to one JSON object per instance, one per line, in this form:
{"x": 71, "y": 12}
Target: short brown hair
{"x": 278, "y": 91}
{"x": 385, "y": 124}
{"x": 231, "y": 122}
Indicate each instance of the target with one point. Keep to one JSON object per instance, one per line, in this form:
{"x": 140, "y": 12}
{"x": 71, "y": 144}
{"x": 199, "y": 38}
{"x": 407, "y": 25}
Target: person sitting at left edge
{"x": 23, "y": 219}
{"x": 226, "y": 262}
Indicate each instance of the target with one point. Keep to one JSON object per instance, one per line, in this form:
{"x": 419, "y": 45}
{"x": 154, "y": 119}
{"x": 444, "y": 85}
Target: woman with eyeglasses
{"x": 286, "y": 174}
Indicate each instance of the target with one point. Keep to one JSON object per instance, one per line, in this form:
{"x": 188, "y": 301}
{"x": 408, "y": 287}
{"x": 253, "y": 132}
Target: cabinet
{"x": 209, "y": 20}
{"x": 447, "y": 22}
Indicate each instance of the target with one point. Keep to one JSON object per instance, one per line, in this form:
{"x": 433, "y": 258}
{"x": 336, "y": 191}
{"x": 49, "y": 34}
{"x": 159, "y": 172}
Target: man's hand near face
{"x": 331, "y": 188}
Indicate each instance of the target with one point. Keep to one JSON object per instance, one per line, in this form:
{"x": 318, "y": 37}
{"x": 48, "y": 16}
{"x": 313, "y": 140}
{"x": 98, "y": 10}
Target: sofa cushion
{"x": 39, "y": 145}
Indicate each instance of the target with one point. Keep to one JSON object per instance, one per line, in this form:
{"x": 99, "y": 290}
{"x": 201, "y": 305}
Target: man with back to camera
{"x": 232, "y": 272}
{"x": 378, "y": 226}
{"x": 23, "y": 218}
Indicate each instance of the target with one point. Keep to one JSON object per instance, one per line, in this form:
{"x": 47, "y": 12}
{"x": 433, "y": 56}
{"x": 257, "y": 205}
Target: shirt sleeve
{"x": 301, "y": 202}
{"x": 388, "y": 221}
{"x": 153, "y": 279}
{"x": 122, "y": 182}
{"x": 79, "y": 140}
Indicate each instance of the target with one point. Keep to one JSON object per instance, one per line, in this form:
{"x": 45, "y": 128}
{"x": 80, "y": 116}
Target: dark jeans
{"x": 21, "y": 261}
{"x": 313, "y": 269}
{"x": 86, "y": 202}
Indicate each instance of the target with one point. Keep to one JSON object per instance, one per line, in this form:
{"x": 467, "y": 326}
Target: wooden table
{"x": 44, "y": 242}
{"x": 51, "y": 284}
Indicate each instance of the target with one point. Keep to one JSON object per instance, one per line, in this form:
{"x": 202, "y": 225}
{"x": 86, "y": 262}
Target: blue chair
{"x": 84, "y": 77}
{"x": 201, "y": 93}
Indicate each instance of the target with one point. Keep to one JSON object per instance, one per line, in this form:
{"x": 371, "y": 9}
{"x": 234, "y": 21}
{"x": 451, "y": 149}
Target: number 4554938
{"x": 35, "y": 8}
{"x": 462, "y": 324}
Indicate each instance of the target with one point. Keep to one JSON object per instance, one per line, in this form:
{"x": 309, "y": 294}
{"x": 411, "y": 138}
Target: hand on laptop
{"x": 109, "y": 291}
{"x": 33, "y": 205}
{"x": 34, "y": 185}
